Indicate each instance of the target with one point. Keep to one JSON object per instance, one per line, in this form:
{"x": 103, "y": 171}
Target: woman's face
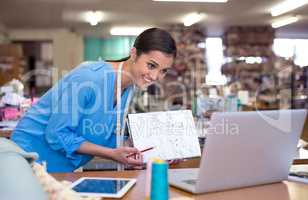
{"x": 150, "y": 67}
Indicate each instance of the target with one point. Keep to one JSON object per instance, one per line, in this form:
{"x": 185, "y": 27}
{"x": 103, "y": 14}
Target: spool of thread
{"x": 159, "y": 180}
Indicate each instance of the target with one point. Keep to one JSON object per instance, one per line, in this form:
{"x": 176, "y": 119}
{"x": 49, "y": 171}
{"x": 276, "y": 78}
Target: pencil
{"x": 144, "y": 150}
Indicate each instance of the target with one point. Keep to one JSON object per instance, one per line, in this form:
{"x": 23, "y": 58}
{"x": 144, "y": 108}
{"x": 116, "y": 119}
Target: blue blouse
{"x": 79, "y": 108}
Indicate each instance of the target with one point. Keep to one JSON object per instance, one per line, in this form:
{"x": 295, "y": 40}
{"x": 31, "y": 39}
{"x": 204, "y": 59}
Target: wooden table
{"x": 285, "y": 190}
{"x": 5, "y": 133}
{"x": 194, "y": 163}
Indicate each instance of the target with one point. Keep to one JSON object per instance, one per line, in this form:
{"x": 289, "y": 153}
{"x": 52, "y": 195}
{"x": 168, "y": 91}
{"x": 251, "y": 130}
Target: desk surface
{"x": 286, "y": 190}
{"x": 5, "y": 133}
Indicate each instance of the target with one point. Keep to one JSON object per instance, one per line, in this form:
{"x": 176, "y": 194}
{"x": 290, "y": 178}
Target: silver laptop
{"x": 244, "y": 149}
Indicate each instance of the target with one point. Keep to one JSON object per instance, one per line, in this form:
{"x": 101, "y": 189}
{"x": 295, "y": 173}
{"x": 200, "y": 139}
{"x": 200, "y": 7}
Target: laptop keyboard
{"x": 190, "y": 181}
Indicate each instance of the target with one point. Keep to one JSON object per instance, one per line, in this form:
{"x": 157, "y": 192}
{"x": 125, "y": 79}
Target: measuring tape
{"x": 119, "y": 131}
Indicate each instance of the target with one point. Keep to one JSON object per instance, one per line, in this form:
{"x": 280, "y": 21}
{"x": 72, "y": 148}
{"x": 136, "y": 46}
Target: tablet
{"x": 102, "y": 187}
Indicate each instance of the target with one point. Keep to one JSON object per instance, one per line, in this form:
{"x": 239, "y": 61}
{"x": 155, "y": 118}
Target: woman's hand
{"x": 127, "y": 155}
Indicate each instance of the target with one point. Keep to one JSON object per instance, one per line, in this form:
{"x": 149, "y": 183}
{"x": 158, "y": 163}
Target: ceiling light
{"x": 195, "y": 1}
{"x": 93, "y": 17}
{"x": 193, "y": 18}
{"x": 253, "y": 60}
{"x": 284, "y": 21}
{"x": 127, "y": 30}
{"x": 287, "y": 6}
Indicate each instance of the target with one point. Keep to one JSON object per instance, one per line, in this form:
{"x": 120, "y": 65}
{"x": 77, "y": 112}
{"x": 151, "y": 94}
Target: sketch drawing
{"x": 172, "y": 134}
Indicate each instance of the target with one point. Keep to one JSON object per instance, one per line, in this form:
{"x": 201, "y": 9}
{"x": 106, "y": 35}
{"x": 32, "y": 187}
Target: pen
{"x": 144, "y": 150}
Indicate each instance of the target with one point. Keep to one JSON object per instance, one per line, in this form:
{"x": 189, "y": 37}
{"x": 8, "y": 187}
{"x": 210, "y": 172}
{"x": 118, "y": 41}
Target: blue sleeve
{"x": 69, "y": 99}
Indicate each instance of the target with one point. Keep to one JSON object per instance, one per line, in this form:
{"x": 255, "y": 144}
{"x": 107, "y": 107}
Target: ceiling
{"x": 64, "y": 14}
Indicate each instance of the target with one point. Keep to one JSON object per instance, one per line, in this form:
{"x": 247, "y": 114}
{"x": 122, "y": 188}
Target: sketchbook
{"x": 172, "y": 134}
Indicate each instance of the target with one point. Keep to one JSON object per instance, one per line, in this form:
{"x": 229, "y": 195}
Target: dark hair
{"x": 118, "y": 60}
{"x": 155, "y": 39}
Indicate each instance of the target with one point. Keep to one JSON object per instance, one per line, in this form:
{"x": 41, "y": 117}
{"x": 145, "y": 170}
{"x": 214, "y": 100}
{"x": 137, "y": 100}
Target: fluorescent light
{"x": 253, "y": 60}
{"x": 127, "y": 30}
{"x": 193, "y": 18}
{"x": 287, "y": 6}
{"x": 195, "y": 1}
{"x": 93, "y": 17}
{"x": 284, "y": 22}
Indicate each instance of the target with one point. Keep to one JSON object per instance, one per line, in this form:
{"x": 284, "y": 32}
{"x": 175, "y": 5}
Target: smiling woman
{"x": 96, "y": 93}
{"x": 150, "y": 58}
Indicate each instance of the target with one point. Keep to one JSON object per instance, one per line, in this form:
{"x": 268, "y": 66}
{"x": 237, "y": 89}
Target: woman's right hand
{"x": 125, "y": 155}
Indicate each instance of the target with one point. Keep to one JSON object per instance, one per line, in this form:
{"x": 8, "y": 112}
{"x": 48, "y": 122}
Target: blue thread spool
{"x": 159, "y": 183}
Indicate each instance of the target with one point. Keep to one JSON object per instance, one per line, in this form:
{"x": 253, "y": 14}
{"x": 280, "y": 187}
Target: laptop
{"x": 244, "y": 149}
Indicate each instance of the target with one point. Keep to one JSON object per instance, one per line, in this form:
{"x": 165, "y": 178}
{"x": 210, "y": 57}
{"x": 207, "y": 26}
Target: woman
{"x": 76, "y": 119}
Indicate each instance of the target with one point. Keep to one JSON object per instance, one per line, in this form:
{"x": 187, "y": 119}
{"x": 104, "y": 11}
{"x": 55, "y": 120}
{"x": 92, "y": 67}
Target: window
{"x": 215, "y": 59}
{"x": 292, "y": 48}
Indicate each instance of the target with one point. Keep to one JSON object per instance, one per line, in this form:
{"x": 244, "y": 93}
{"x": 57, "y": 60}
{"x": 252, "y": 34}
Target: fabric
{"x": 78, "y": 109}
{"x": 8, "y": 146}
{"x": 15, "y": 166}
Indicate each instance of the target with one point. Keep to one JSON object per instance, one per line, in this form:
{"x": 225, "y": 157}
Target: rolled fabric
{"x": 17, "y": 180}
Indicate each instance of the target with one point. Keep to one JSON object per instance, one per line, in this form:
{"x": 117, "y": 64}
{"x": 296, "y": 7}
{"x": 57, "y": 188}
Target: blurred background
{"x": 233, "y": 55}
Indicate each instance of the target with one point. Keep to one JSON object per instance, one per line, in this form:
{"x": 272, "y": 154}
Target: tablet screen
{"x": 100, "y": 186}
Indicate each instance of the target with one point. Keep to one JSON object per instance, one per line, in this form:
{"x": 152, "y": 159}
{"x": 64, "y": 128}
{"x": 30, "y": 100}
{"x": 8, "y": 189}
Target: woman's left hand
{"x": 138, "y": 157}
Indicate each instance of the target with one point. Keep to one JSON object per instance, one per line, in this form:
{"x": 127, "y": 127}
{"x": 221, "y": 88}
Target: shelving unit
{"x": 300, "y": 99}
{"x": 11, "y": 62}
{"x": 251, "y": 65}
